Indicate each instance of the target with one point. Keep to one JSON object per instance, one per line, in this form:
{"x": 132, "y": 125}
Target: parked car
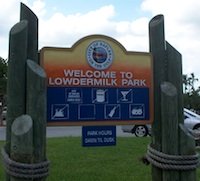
{"x": 4, "y": 112}
{"x": 191, "y": 121}
{"x": 138, "y": 130}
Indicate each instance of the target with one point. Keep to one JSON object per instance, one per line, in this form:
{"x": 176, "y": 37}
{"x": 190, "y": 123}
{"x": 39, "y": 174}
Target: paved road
{"x": 65, "y": 131}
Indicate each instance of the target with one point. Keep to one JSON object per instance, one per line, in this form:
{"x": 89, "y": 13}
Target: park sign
{"x": 98, "y": 135}
{"x": 98, "y": 82}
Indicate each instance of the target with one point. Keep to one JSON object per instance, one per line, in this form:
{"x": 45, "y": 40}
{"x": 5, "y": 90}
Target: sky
{"x": 63, "y": 22}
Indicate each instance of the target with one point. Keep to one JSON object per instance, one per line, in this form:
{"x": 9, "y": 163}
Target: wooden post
{"x": 157, "y": 48}
{"x": 169, "y": 126}
{"x": 168, "y": 67}
{"x": 174, "y": 75}
{"x": 36, "y": 108}
{"x": 26, "y": 93}
{"x": 22, "y": 141}
{"x": 187, "y": 147}
{"x": 27, "y": 14}
{"x": 16, "y": 75}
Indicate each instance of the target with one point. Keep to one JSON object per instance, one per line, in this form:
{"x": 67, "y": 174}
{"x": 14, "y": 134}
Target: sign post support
{"x": 25, "y": 150}
{"x": 169, "y": 136}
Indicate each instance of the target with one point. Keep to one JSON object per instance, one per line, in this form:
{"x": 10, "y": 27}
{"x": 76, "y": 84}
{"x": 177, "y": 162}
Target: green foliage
{"x": 189, "y": 83}
{"x": 3, "y": 76}
{"x": 192, "y": 101}
{"x": 191, "y": 94}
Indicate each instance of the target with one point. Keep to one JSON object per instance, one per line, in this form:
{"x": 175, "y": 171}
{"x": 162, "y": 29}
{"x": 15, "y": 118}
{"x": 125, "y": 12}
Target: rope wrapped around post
{"x": 25, "y": 170}
{"x": 171, "y": 162}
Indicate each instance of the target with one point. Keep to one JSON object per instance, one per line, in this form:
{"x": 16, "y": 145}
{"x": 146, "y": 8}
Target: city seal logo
{"x": 99, "y": 55}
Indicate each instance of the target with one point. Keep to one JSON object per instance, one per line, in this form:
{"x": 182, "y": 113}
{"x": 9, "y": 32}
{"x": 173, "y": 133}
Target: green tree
{"x": 191, "y": 94}
{"x": 189, "y": 83}
{"x": 3, "y": 76}
{"x": 192, "y": 80}
{"x": 185, "y": 84}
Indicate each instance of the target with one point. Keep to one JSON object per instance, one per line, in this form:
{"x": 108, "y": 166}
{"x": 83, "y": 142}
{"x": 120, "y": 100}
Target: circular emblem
{"x": 99, "y": 55}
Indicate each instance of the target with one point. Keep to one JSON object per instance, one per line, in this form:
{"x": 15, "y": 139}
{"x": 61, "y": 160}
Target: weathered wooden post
{"x": 36, "y": 108}
{"x": 169, "y": 115}
{"x": 21, "y": 143}
{"x": 157, "y": 48}
{"x": 16, "y": 75}
{"x": 32, "y": 47}
{"x": 186, "y": 141}
{"x": 25, "y": 151}
{"x": 174, "y": 75}
{"x": 187, "y": 147}
{"x": 172, "y": 152}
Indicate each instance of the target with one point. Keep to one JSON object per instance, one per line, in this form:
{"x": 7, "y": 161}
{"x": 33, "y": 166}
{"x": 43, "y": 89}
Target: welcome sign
{"x": 97, "y": 82}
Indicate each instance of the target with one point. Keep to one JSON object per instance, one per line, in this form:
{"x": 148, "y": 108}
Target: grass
{"x": 72, "y": 162}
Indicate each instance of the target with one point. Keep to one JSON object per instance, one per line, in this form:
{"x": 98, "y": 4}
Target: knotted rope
{"x": 171, "y": 162}
{"x": 25, "y": 170}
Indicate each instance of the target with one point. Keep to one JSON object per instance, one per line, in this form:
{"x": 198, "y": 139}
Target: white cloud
{"x": 182, "y": 28}
{"x": 38, "y": 8}
{"x": 140, "y": 26}
{"x": 9, "y": 16}
{"x": 123, "y": 27}
{"x": 61, "y": 29}
{"x": 65, "y": 30}
{"x": 133, "y": 35}
{"x": 134, "y": 43}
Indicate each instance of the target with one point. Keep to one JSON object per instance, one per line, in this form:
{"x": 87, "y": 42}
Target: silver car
{"x": 191, "y": 121}
{"x": 138, "y": 130}
{"x": 4, "y": 112}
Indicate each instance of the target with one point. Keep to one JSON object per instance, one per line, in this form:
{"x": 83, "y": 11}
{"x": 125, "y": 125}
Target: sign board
{"x": 98, "y": 135}
{"x": 98, "y": 82}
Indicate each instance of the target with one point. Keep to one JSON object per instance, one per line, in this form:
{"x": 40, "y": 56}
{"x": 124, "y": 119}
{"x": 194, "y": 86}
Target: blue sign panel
{"x": 98, "y": 135}
{"x": 97, "y": 104}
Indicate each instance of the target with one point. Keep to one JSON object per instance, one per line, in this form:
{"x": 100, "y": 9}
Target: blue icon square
{"x": 87, "y": 111}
